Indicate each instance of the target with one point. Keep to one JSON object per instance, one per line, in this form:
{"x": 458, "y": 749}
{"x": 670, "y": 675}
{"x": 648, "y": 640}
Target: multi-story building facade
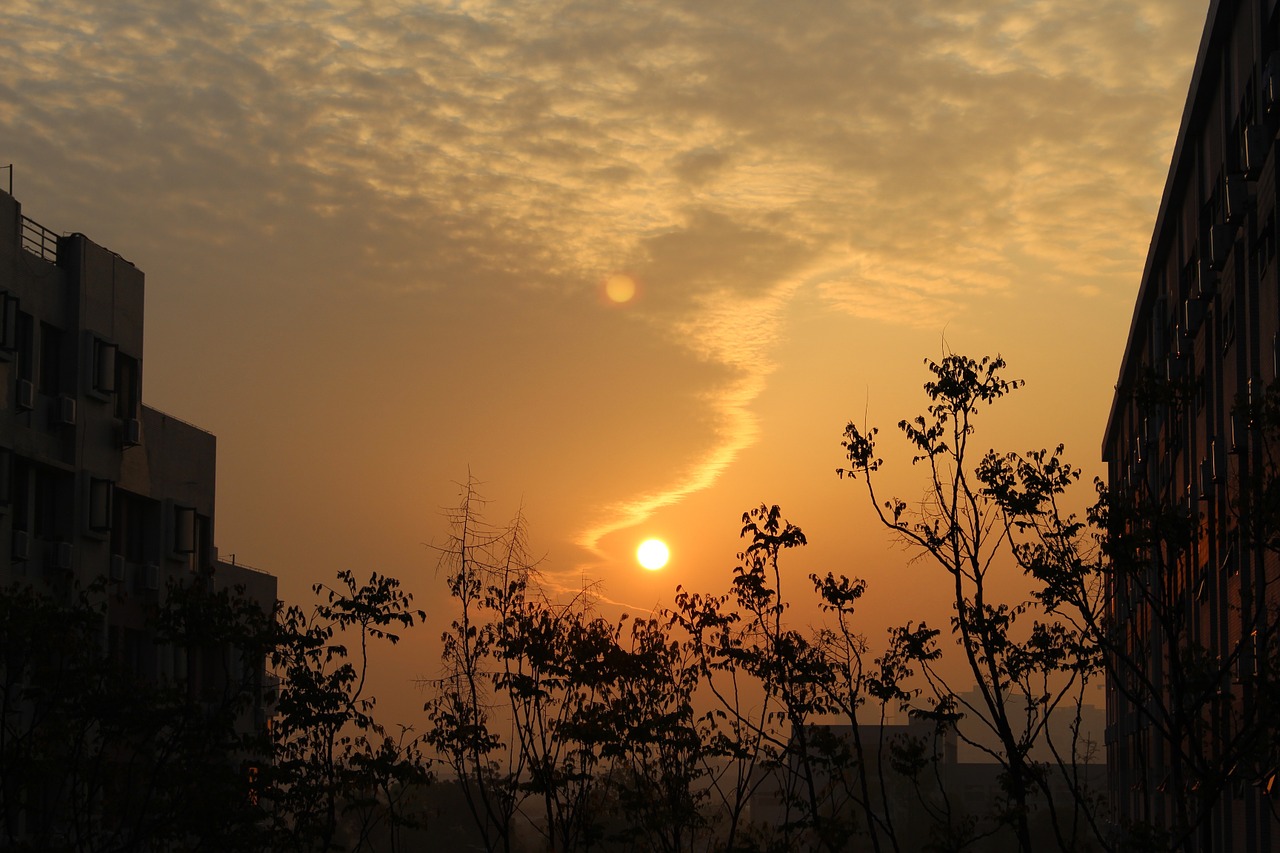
{"x": 95, "y": 484}
{"x": 99, "y": 492}
{"x": 1196, "y": 616}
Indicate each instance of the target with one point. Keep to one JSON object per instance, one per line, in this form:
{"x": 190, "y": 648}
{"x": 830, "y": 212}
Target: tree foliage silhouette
{"x": 978, "y": 516}
{"x": 332, "y": 764}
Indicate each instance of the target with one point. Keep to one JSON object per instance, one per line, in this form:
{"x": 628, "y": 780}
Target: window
{"x": 50, "y": 359}
{"x": 203, "y": 541}
{"x": 127, "y": 386}
{"x": 104, "y": 366}
{"x": 135, "y": 527}
{"x": 1192, "y": 286}
{"x": 21, "y": 494}
{"x": 1264, "y": 247}
{"x": 8, "y": 322}
{"x": 184, "y": 530}
{"x": 51, "y": 503}
{"x": 6, "y": 475}
{"x": 101, "y": 493}
{"x": 1228, "y": 324}
{"x": 24, "y": 345}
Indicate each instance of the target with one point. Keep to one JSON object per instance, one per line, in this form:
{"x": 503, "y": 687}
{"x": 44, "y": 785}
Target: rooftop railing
{"x": 238, "y": 564}
{"x": 39, "y": 241}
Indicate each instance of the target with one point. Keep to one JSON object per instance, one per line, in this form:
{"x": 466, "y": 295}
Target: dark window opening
{"x": 50, "y": 359}
{"x": 128, "y": 386}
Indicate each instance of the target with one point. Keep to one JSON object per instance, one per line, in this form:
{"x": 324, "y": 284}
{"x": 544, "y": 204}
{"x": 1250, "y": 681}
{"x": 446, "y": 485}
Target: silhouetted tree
{"x": 770, "y": 683}
{"x": 545, "y": 714}
{"x": 970, "y": 523}
{"x": 98, "y": 754}
{"x": 484, "y": 568}
{"x": 333, "y": 764}
{"x": 650, "y": 738}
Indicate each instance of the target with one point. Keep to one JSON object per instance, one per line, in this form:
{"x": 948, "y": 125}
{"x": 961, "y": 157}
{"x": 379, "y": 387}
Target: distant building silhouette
{"x": 1202, "y": 345}
{"x": 931, "y": 799}
{"x": 93, "y": 483}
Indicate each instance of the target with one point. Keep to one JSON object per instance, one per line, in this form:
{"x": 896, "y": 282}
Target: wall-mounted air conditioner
{"x": 151, "y": 577}
{"x": 117, "y": 567}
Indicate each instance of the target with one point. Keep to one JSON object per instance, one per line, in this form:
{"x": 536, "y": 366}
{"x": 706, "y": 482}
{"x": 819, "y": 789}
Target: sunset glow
{"x": 632, "y": 268}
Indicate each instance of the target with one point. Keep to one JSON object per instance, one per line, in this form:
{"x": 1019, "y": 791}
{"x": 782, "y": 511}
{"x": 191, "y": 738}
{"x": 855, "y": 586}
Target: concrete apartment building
{"x": 1202, "y": 347}
{"x": 93, "y": 483}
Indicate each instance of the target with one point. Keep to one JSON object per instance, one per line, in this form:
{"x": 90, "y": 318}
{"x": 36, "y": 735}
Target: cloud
{"x": 901, "y": 158}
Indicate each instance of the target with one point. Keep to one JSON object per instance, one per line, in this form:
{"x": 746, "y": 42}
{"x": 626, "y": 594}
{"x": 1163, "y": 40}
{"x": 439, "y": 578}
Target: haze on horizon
{"x": 379, "y": 240}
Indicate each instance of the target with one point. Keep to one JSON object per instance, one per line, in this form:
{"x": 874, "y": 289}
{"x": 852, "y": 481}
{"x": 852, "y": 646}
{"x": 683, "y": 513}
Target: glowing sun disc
{"x": 653, "y": 554}
{"x": 620, "y": 288}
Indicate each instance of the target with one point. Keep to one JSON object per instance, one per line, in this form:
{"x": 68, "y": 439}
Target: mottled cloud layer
{"x": 902, "y": 159}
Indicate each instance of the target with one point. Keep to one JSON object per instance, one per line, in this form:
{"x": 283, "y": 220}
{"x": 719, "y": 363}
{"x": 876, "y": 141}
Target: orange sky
{"x": 377, "y": 237}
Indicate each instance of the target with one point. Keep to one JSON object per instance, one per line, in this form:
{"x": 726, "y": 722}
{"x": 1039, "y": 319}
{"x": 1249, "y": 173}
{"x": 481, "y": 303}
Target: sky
{"x": 383, "y": 242}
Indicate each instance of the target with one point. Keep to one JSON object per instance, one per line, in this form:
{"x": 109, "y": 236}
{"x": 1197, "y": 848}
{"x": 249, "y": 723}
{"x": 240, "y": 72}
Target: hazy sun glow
{"x": 652, "y": 554}
{"x": 620, "y": 288}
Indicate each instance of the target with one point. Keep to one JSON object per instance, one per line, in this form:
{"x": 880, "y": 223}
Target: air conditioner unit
{"x": 66, "y": 411}
{"x": 131, "y": 432}
{"x": 26, "y": 394}
{"x": 21, "y": 545}
{"x": 61, "y": 554}
{"x": 151, "y": 577}
{"x": 117, "y": 567}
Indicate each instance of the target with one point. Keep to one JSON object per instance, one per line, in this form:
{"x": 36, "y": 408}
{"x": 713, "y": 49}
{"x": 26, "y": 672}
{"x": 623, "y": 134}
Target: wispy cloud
{"x": 899, "y": 157}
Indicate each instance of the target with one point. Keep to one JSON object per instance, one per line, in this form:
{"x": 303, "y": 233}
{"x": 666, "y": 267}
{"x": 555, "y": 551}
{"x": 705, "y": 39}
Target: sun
{"x": 653, "y": 554}
{"x": 620, "y": 288}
